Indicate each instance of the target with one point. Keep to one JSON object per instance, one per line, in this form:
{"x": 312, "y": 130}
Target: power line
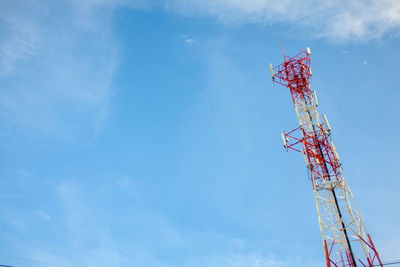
{"x": 383, "y": 264}
{"x": 30, "y": 260}
{"x": 53, "y": 264}
{"x": 390, "y": 263}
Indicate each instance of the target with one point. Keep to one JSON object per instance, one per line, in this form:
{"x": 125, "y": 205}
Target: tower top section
{"x": 294, "y": 70}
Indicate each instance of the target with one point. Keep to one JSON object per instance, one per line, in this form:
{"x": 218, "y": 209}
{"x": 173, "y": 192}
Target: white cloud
{"x": 335, "y": 20}
{"x": 190, "y": 41}
{"x": 58, "y": 59}
{"x": 44, "y": 215}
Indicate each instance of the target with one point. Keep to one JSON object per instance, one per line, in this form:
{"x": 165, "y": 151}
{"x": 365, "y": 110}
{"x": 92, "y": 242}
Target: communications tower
{"x": 346, "y": 241}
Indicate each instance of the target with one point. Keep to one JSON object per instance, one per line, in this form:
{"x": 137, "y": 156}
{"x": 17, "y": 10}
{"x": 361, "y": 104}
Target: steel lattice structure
{"x": 345, "y": 239}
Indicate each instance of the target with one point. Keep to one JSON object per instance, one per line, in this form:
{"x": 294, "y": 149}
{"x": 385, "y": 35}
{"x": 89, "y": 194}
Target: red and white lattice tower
{"x": 345, "y": 239}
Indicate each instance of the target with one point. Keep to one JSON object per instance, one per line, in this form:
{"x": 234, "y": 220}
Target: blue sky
{"x": 146, "y": 133}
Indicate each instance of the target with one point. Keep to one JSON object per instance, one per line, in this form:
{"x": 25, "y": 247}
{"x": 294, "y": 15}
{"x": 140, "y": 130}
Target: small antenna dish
{"x": 284, "y": 139}
{"x": 308, "y": 50}
{"x": 271, "y": 70}
{"x": 326, "y": 122}
{"x": 335, "y": 152}
{"x": 315, "y": 98}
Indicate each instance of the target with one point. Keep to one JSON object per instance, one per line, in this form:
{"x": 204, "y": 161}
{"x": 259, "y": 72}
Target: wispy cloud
{"x": 128, "y": 187}
{"x": 125, "y": 183}
{"x": 239, "y": 260}
{"x": 146, "y": 236}
{"x": 51, "y": 86}
{"x": 57, "y": 65}
{"x": 335, "y": 20}
{"x": 18, "y": 225}
{"x": 19, "y": 40}
{"x": 85, "y": 231}
{"x": 8, "y": 196}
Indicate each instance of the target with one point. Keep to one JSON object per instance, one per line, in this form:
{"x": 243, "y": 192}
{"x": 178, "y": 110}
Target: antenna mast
{"x": 345, "y": 239}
